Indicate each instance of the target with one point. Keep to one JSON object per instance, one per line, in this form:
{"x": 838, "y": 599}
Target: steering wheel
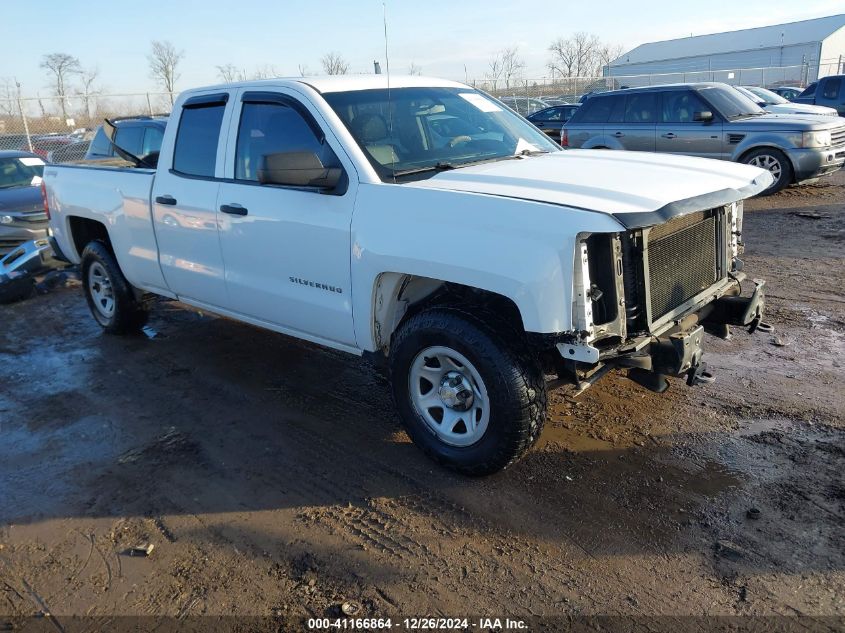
{"x": 463, "y": 138}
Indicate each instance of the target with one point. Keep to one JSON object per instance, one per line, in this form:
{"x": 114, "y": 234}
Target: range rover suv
{"x": 710, "y": 120}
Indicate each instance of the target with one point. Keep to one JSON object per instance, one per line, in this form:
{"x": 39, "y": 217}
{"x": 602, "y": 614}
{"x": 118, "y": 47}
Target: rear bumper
{"x": 812, "y": 163}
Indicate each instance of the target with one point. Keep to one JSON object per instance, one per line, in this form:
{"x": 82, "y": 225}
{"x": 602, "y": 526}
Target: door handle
{"x": 619, "y": 135}
{"x": 233, "y": 209}
{"x": 166, "y": 199}
{"x": 668, "y": 135}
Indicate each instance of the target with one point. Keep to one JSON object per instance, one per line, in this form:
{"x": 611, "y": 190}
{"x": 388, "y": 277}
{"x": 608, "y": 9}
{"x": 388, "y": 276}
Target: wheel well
{"x": 398, "y": 296}
{"x": 85, "y": 230}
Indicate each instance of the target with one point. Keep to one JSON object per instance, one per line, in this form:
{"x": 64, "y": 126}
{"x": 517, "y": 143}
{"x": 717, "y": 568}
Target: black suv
{"x": 140, "y": 136}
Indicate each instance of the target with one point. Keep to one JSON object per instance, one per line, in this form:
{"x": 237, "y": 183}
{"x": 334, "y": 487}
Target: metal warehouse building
{"x": 797, "y": 52}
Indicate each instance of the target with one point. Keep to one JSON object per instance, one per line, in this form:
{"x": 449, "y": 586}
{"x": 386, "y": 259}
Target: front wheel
{"x": 468, "y": 394}
{"x": 109, "y": 295}
{"x": 776, "y": 163}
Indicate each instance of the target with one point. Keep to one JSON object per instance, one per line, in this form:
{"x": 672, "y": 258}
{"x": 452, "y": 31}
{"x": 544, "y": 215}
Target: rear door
{"x": 185, "y": 202}
{"x": 679, "y": 133}
{"x": 636, "y": 132}
{"x": 287, "y": 249}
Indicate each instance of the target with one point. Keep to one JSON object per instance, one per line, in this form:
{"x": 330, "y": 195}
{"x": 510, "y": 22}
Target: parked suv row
{"x": 711, "y": 120}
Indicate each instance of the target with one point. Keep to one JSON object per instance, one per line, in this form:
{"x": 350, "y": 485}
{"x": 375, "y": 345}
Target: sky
{"x": 446, "y": 38}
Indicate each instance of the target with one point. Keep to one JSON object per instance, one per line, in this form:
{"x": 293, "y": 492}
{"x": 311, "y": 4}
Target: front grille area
{"x": 837, "y": 136}
{"x": 681, "y": 261}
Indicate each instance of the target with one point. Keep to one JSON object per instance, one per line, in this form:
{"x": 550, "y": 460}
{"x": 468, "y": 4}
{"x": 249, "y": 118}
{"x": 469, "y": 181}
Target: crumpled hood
{"x": 619, "y": 183}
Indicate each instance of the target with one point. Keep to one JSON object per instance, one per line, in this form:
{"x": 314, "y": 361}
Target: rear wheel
{"x": 467, "y": 393}
{"x": 776, "y": 163}
{"x": 110, "y": 297}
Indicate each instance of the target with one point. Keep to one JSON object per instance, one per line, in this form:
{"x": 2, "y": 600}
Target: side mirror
{"x": 705, "y": 116}
{"x": 297, "y": 169}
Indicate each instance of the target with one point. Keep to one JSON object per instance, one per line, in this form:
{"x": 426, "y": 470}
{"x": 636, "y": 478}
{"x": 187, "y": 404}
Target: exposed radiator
{"x": 681, "y": 261}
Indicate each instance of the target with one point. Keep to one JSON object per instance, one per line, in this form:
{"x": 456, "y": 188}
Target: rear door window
{"x": 195, "y": 153}
{"x": 641, "y": 107}
{"x": 152, "y": 140}
{"x": 552, "y": 114}
{"x": 831, "y": 88}
{"x": 130, "y": 138}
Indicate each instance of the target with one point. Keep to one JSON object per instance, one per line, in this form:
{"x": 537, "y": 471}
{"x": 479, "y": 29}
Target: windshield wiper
{"x": 439, "y": 166}
{"x": 532, "y": 152}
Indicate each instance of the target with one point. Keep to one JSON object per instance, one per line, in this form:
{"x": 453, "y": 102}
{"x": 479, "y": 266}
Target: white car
{"x": 476, "y": 268}
{"x": 774, "y": 103}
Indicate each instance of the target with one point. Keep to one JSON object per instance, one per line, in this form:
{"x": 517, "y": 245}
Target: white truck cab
{"x": 424, "y": 223}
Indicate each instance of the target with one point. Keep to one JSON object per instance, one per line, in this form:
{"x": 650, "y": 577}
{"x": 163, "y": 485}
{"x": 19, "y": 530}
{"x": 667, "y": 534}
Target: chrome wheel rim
{"x": 100, "y": 289}
{"x": 769, "y": 163}
{"x": 449, "y": 395}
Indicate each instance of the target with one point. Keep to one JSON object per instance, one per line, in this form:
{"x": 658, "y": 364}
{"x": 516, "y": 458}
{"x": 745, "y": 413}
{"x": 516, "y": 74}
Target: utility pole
{"x": 23, "y": 116}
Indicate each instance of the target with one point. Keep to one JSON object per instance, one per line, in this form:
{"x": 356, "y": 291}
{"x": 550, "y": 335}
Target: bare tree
{"x": 605, "y": 54}
{"x": 229, "y": 73}
{"x": 8, "y": 95}
{"x": 575, "y": 56}
{"x": 87, "y": 77}
{"x": 302, "y": 69}
{"x": 61, "y": 66}
{"x": 164, "y": 61}
{"x": 267, "y": 71}
{"x": 512, "y": 65}
{"x": 494, "y": 70}
{"x": 334, "y": 64}
{"x": 413, "y": 69}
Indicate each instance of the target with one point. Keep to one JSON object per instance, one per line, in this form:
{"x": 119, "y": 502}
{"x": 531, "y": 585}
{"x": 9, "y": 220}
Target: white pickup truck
{"x": 426, "y": 224}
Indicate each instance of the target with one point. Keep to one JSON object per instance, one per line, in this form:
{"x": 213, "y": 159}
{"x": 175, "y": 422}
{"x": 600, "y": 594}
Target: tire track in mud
{"x": 322, "y": 472}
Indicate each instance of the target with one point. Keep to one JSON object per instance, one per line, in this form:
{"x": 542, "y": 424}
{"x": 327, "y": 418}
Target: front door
{"x": 286, "y": 249}
{"x": 679, "y": 133}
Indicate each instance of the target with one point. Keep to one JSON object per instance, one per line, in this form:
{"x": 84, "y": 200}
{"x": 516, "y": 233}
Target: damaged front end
{"x": 643, "y": 298}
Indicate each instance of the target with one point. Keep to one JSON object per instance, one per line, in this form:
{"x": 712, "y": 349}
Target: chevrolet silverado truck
{"x": 481, "y": 269}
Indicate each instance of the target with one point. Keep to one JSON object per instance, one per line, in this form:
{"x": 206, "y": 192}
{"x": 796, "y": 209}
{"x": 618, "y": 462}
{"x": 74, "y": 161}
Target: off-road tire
{"x": 512, "y": 376}
{"x": 786, "y": 172}
{"x": 130, "y": 314}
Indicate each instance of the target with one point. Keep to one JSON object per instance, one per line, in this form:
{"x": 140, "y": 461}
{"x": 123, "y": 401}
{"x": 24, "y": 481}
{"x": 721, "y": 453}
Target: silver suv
{"x": 713, "y": 121}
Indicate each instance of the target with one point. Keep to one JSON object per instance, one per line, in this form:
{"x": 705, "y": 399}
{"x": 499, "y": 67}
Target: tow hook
{"x": 699, "y": 375}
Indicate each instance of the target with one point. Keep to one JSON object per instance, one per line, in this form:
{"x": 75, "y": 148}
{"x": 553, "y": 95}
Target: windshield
{"x": 730, "y": 103}
{"x": 772, "y": 98}
{"x": 419, "y": 130}
{"x": 23, "y": 171}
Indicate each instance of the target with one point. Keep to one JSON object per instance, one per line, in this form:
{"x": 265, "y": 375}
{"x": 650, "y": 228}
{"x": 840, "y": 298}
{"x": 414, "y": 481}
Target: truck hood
{"x": 800, "y": 108}
{"x": 638, "y": 189}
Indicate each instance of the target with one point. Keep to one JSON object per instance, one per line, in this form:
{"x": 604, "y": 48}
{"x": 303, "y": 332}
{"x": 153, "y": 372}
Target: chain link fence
{"x": 529, "y": 95}
{"x": 45, "y": 124}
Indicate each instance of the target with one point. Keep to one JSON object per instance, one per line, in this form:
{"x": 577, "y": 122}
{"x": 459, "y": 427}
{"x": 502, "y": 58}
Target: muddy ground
{"x": 273, "y": 479}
